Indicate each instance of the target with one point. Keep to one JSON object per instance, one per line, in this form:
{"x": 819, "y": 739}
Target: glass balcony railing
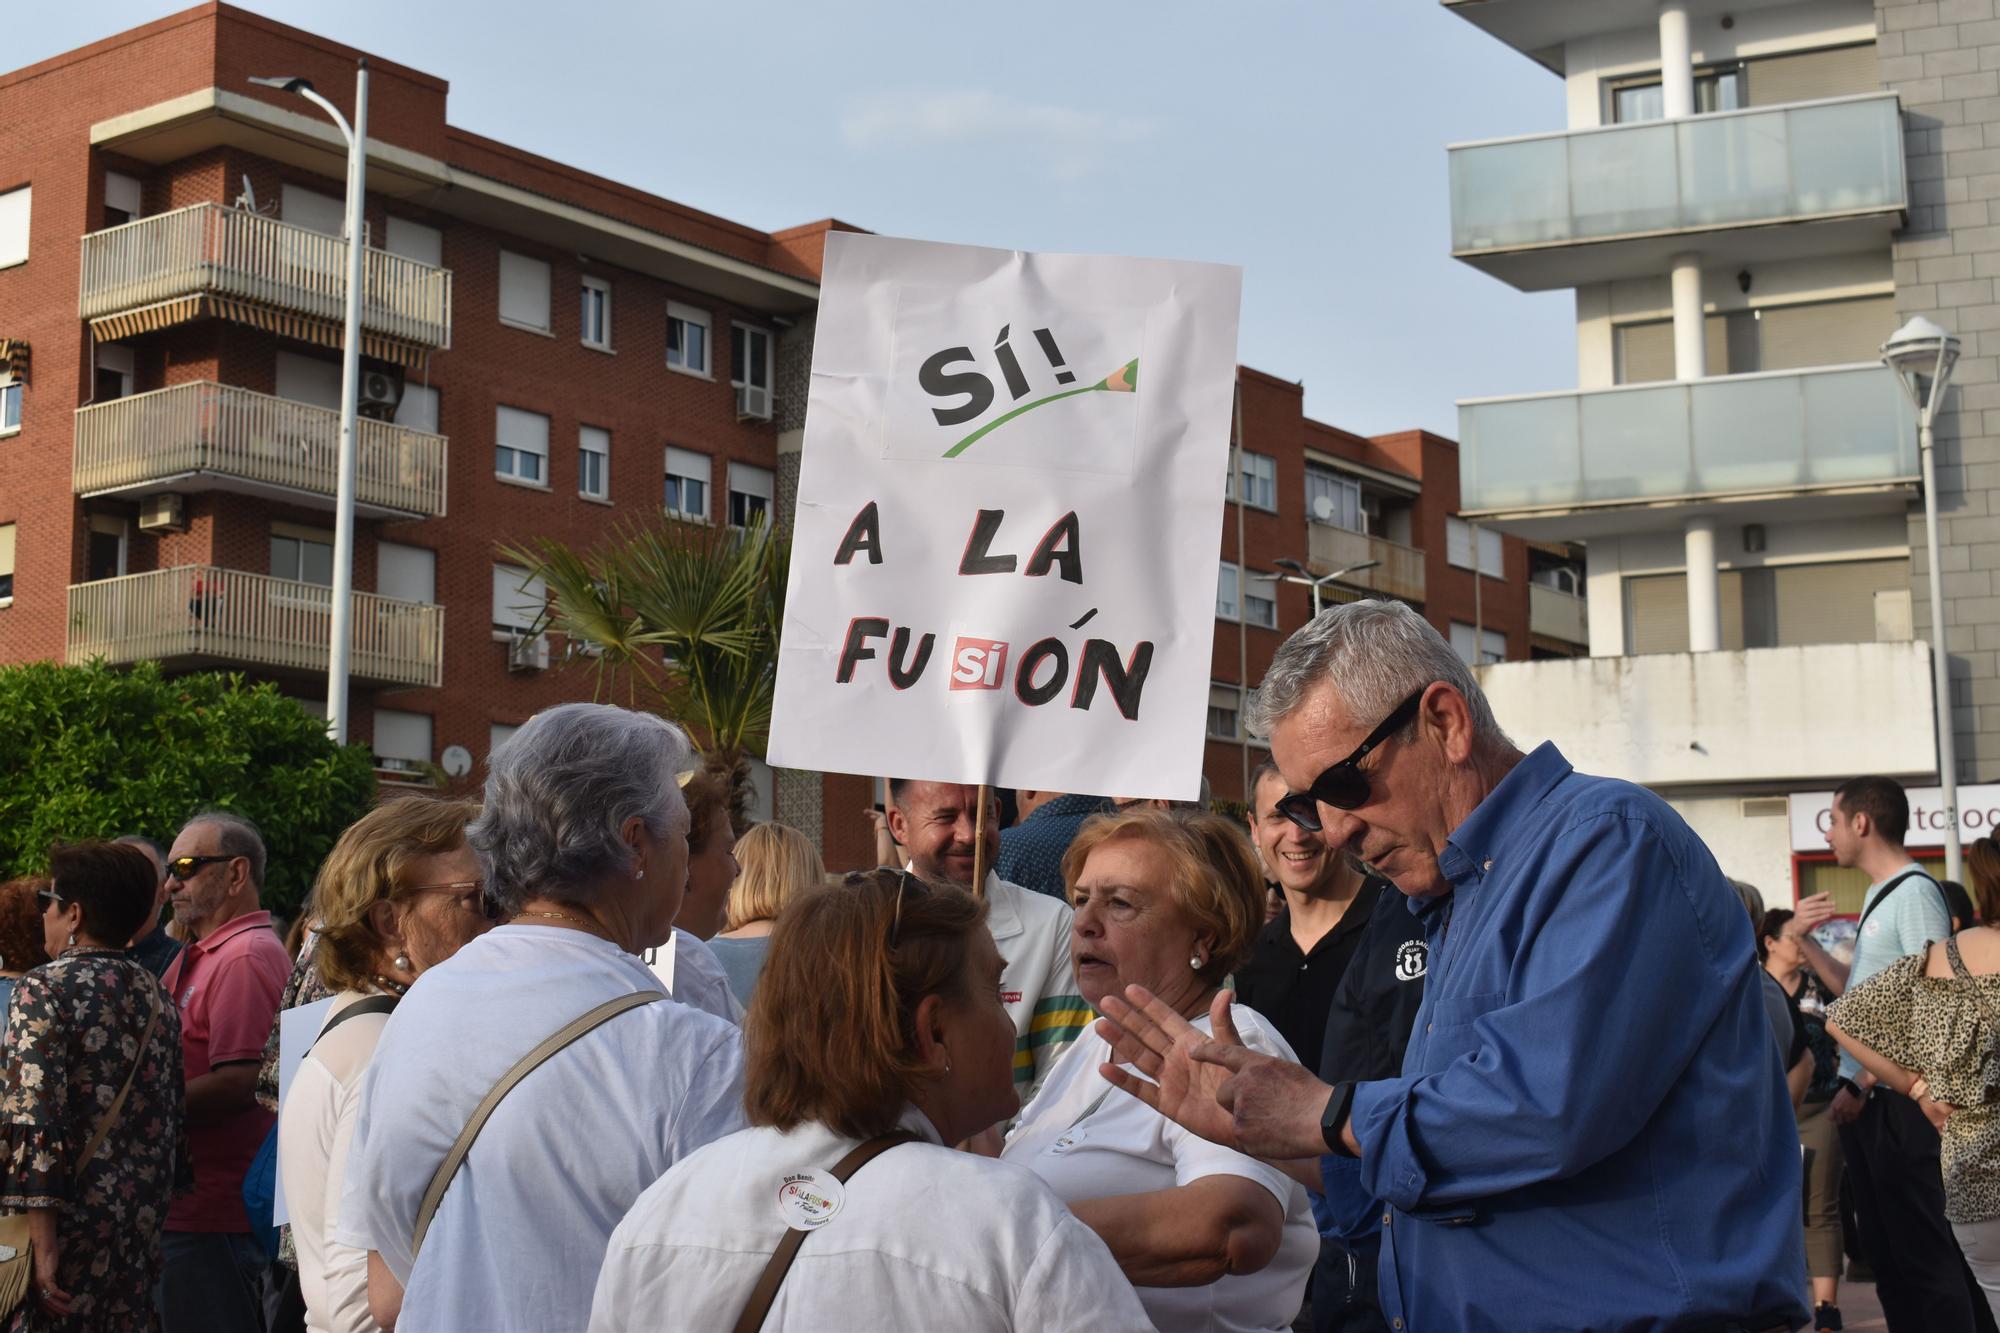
{"x": 1732, "y": 435}
{"x": 1735, "y": 168}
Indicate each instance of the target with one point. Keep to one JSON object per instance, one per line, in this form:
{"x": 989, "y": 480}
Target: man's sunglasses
{"x": 187, "y": 867}
{"x": 1345, "y": 786}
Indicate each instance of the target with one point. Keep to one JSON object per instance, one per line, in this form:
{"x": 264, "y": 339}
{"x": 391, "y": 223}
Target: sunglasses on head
{"x": 50, "y": 898}
{"x": 186, "y": 867}
{"x": 1345, "y": 786}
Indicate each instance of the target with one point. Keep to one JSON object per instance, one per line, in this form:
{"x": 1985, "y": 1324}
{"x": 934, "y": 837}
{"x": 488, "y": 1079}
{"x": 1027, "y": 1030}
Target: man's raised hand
{"x": 1144, "y": 1031}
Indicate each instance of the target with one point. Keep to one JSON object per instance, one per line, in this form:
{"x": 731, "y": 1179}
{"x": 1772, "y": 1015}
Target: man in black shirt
{"x": 1299, "y": 957}
{"x": 1366, "y": 1031}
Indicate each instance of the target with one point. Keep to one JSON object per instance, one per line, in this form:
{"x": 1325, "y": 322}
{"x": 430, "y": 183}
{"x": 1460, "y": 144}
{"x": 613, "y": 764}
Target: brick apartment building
{"x": 1329, "y": 500}
{"x": 546, "y": 354}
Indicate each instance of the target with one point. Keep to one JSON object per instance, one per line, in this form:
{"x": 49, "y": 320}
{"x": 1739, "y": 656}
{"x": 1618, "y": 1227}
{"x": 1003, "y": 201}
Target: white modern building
{"x": 1727, "y": 202}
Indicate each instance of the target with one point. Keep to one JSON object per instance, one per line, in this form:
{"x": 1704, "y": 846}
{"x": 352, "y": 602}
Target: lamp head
{"x": 283, "y": 83}
{"x": 1921, "y": 348}
{"x": 1288, "y": 563}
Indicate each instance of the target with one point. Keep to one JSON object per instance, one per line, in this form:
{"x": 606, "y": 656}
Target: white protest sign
{"x": 1010, "y": 503}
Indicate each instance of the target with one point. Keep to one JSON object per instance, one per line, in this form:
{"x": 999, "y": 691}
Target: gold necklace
{"x": 590, "y": 927}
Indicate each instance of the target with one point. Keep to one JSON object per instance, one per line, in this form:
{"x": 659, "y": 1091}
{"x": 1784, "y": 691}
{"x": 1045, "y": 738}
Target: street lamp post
{"x": 1301, "y": 575}
{"x": 1922, "y": 355}
{"x": 341, "y": 621}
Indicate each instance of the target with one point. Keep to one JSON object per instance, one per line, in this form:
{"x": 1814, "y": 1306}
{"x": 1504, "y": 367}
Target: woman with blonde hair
{"x": 1213, "y": 1239}
{"x": 400, "y": 892}
{"x": 778, "y": 862}
{"x": 878, "y": 1038}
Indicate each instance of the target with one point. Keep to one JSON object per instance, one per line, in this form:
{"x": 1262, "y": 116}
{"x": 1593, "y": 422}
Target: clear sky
{"x": 1303, "y": 141}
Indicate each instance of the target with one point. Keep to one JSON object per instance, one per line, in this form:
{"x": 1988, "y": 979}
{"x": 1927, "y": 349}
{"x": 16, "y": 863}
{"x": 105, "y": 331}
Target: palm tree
{"x": 677, "y": 617}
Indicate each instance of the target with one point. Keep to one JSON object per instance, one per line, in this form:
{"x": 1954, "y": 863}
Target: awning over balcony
{"x": 284, "y": 323}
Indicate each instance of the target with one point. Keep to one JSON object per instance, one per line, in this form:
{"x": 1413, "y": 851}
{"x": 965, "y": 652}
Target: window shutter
{"x": 7, "y": 549}
{"x": 122, "y": 193}
{"x": 517, "y": 599}
{"x": 312, "y": 210}
{"x": 1827, "y": 333}
{"x": 401, "y": 735}
{"x": 1458, "y": 542}
{"x": 308, "y": 379}
{"x": 418, "y": 409}
{"x": 747, "y": 480}
{"x": 407, "y": 573}
{"x": 1834, "y": 603}
{"x": 524, "y": 290}
{"x": 413, "y": 240}
{"x": 525, "y": 431}
{"x": 1808, "y": 76}
{"x": 14, "y": 209}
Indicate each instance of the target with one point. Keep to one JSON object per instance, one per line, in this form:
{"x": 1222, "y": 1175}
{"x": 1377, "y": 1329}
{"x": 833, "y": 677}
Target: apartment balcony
{"x": 211, "y": 261}
{"x": 195, "y": 616}
{"x": 1740, "y": 187}
{"x": 207, "y": 436}
{"x": 1400, "y": 572}
{"x": 1726, "y": 718}
{"x": 1555, "y": 614}
{"x": 1550, "y": 465}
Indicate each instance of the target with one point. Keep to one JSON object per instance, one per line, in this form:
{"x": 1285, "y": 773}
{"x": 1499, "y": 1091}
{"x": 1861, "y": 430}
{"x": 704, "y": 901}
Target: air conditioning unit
{"x": 378, "y": 394}
{"x": 161, "y": 513}
{"x": 528, "y": 652}
{"x": 753, "y": 401}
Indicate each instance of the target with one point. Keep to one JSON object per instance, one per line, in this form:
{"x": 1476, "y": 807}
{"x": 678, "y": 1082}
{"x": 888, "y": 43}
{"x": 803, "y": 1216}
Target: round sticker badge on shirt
{"x": 808, "y": 1200}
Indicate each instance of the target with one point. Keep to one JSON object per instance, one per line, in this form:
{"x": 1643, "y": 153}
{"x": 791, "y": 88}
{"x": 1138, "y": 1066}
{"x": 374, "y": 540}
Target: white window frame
{"x": 1225, "y": 597}
{"x": 1261, "y": 470}
{"x": 586, "y": 438}
{"x": 523, "y": 267}
{"x": 1234, "y": 708}
{"x": 744, "y": 472}
{"x": 302, "y": 537}
{"x": 695, "y": 315}
{"x": 738, "y": 381}
{"x": 403, "y": 720}
{"x": 602, "y": 286}
{"x": 11, "y": 405}
{"x": 1492, "y": 645}
{"x": 689, "y": 469}
{"x": 510, "y": 474}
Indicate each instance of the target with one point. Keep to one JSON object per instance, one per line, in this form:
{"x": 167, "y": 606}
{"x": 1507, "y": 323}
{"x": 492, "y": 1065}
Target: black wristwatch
{"x": 1334, "y": 1119}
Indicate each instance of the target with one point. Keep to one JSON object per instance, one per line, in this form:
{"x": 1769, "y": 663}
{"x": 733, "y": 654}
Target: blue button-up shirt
{"x": 1591, "y": 1130}
{"x": 1031, "y": 853}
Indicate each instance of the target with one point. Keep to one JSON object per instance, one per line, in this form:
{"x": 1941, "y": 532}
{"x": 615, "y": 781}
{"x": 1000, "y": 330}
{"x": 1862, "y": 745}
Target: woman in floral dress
{"x": 75, "y": 1028}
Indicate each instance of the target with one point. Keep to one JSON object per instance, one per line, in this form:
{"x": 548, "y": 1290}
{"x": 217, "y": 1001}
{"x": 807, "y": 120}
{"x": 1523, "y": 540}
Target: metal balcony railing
{"x": 193, "y": 615}
{"x": 211, "y": 250}
{"x": 204, "y": 427}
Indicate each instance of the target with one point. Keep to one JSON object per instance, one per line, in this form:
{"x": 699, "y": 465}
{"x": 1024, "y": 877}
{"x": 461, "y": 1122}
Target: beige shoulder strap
{"x": 441, "y": 1179}
{"x": 110, "y": 1116}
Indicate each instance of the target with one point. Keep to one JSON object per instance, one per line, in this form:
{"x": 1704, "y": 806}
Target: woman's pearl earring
{"x": 402, "y": 962}
{"x": 1194, "y": 961}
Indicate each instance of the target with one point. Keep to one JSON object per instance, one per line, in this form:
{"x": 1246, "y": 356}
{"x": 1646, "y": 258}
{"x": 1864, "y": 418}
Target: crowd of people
{"x": 1436, "y": 1035}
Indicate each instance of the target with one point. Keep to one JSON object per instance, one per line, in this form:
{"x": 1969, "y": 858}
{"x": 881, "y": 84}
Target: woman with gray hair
{"x": 552, "y": 1026}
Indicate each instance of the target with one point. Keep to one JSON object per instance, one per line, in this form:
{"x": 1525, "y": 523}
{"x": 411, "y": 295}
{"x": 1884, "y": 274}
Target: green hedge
{"x": 89, "y": 752}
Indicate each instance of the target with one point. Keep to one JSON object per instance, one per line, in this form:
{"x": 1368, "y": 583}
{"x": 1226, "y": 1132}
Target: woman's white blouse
{"x": 924, "y": 1237}
{"x": 313, "y": 1134}
{"x": 517, "y": 1242}
{"x": 1089, "y": 1140}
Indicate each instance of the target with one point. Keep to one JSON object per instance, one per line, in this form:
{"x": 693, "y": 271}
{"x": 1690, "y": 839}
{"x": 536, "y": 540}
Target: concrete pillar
{"x": 1690, "y": 328}
{"x": 1704, "y": 588}
{"x": 1676, "y": 60}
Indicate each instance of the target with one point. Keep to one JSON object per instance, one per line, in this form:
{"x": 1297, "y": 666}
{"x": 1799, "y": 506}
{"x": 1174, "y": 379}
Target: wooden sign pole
{"x": 979, "y": 866}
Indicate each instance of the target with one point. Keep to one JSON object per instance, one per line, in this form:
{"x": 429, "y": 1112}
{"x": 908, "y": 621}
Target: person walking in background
{"x": 22, "y": 945}
{"x": 582, "y": 834}
{"x": 1927, "y": 1027}
{"x": 399, "y": 893}
{"x": 225, "y": 987}
{"x": 1890, "y": 1148}
{"x": 1031, "y": 851}
{"x": 778, "y": 863}
{"x": 879, "y": 1013}
{"x": 153, "y": 947}
{"x": 1807, "y": 995}
{"x": 92, "y": 1146}
{"x": 937, "y": 823}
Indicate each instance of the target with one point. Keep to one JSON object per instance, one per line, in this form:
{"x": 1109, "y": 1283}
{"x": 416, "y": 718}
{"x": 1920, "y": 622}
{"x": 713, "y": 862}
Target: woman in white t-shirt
{"x": 399, "y": 893}
{"x": 1212, "y": 1239}
{"x": 878, "y": 1010}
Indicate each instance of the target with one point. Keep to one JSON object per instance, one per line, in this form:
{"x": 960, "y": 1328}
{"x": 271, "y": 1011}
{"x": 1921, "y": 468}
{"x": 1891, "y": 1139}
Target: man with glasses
{"x": 225, "y": 984}
{"x": 1590, "y": 1129}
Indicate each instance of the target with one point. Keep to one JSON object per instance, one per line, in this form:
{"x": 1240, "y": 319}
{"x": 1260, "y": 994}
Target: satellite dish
{"x": 457, "y": 760}
{"x": 1322, "y": 507}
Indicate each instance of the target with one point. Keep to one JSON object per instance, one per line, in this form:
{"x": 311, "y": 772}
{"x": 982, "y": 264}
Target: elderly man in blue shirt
{"x": 1591, "y": 1130}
